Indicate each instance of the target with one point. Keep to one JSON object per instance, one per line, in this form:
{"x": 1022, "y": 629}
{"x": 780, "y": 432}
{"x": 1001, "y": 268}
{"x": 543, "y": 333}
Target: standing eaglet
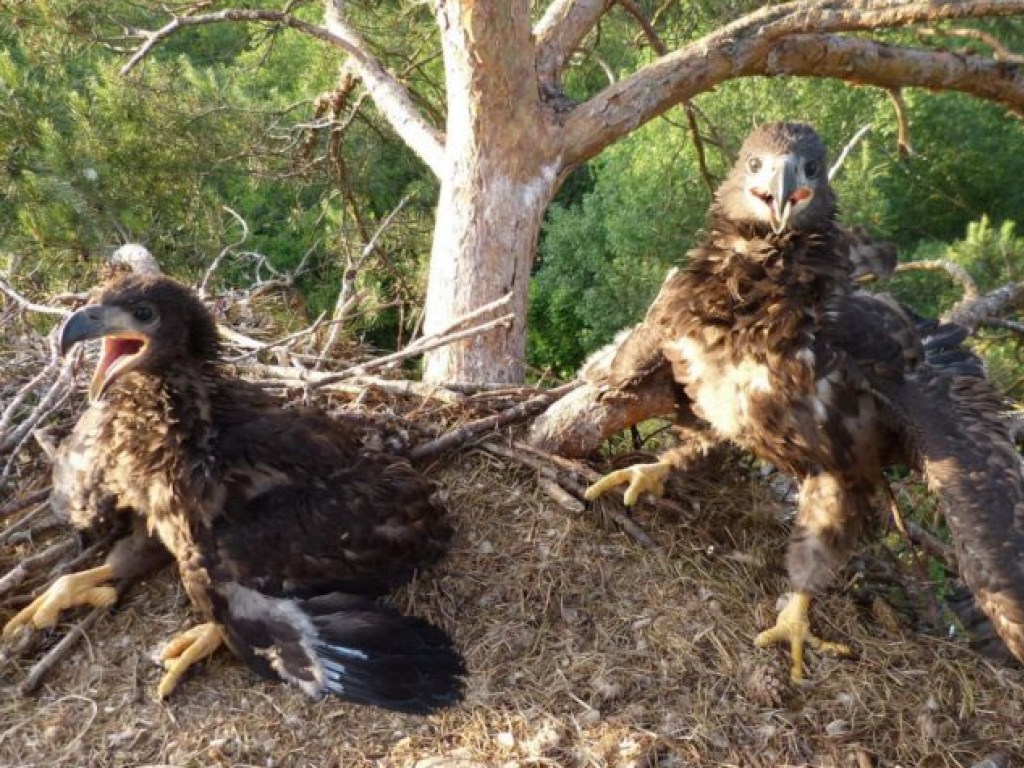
{"x": 284, "y": 528}
{"x": 773, "y": 349}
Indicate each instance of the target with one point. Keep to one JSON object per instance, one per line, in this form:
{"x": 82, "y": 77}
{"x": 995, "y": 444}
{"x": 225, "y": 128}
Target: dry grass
{"x": 585, "y": 650}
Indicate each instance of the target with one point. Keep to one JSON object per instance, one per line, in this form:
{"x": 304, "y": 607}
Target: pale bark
{"x": 499, "y": 177}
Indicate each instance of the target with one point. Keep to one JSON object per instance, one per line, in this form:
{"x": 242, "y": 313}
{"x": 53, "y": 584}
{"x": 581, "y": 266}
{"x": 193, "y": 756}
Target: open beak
{"x": 783, "y": 193}
{"x": 122, "y": 343}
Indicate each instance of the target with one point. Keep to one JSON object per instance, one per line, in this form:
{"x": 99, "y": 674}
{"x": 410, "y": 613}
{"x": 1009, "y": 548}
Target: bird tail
{"x": 349, "y": 646}
{"x": 955, "y": 431}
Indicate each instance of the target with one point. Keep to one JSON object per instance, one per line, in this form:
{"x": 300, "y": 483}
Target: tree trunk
{"x": 500, "y": 175}
{"x": 485, "y": 237}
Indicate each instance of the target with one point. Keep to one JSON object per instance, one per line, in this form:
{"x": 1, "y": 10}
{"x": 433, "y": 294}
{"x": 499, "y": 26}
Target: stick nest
{"x": 587, "y": 645}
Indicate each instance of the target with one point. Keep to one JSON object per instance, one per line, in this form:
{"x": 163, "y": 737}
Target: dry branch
{"x": 577, "y": 424}
{"x": 519, "y": 412}
{"x": 46, "y": 558}
{"x": 29, "y": 305}
{"x": 899, "y": 106}
{"x": 970, "y": 312}
{"x": 42, "y": 668}
{"x": 25, "y": 501}
{"x": 958, "y": 274}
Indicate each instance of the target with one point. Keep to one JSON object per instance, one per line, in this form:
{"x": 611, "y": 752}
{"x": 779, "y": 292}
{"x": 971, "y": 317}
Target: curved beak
{"x": 89, "y": 322}
{"x": 122, "y": 342}
{"x": 786, "y": 191}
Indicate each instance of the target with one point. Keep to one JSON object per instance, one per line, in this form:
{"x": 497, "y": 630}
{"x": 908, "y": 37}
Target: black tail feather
{"x": 371, "y": 654}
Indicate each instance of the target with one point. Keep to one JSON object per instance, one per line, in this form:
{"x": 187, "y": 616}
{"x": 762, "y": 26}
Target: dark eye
{"x": 754, "y": 164}
{"x": 810, "y": 169}
{"x": 143, "y": 314}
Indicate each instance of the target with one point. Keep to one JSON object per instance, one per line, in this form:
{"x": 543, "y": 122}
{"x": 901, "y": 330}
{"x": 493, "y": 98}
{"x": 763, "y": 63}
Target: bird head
{"x": 147, "y": 323}
{"x": 780, "y": 179}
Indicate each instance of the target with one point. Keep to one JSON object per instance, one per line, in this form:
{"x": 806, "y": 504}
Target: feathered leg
{"x": 829, "y": 518}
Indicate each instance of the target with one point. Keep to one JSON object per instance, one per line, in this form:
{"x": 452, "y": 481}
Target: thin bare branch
{"x": 390, "y": 96}
{"x": 954, "y": 271}
{"x": 425, "y": 344}
{"x": 55, "y": 655}
{"x": 999, "y": 51}
{"x": 899, "y": 106}
{"x": 43, "y": 559}
{"x": 348, "y": 297}
{"x": 518, "y": 412}
{"x": 25, "y": 501}
{"x": 29, "y": 305}
{"x": 838, "y": 164}
{"x": 208, "y": 275}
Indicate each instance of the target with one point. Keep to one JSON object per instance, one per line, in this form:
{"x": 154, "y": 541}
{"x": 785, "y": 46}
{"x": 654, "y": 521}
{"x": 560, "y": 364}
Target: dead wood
{"x": 516, "y": 413}
{"x": 577, "y": 424}
{"x": 42, "y": 668}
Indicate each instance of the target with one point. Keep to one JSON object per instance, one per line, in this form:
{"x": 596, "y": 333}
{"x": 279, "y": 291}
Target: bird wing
{"x": 948, "y": 418}
{"x": 636, "y": 353}
{"x": 310, "y": 529}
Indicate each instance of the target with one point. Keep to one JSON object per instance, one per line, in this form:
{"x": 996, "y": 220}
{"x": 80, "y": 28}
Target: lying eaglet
{"x": 284, "y": 528}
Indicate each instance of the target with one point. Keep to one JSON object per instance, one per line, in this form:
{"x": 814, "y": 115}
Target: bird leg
{"x": 640, "y": 478}
{"x": 185, "y": 650}
{"x": 794, "y": 626}
{"x": 73, "y": 589}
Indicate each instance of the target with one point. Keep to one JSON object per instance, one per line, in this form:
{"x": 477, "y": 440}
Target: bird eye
{"x": 143, "y": 314}
{"x": 754, "y": 164}
{"x": 810, "y": 169}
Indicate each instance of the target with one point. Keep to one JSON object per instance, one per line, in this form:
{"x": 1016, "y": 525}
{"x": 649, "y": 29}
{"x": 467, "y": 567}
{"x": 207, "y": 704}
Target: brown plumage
{"x": 285, "y": 529}
{"x": 774, "y": 349}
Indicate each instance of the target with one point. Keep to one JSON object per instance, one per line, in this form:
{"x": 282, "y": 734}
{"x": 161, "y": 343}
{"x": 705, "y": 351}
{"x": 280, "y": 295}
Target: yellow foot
{"x": 185, "y": 650}
{"x": 85, "y": 588}
{"x": 794, "y": 626}
{"x": 641, "y": 477}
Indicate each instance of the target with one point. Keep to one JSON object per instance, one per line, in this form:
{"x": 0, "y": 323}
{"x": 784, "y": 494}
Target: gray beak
{"x": 782, "y": 185}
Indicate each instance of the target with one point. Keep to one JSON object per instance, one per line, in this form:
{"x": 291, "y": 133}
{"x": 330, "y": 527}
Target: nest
{"x": 593, "y": 637}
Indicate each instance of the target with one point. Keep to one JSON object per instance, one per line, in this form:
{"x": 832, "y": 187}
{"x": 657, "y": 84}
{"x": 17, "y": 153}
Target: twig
{"x": 31, "y": 306}
{"x": 47, "y": 557}
{"x": 25, "y": 501}
{"x": 932, "y": 545}
{"x": 518, "y": 412}
{"x": 42, "y": 668}
{"x": 999, "y": 51}
{"x": 958, "y": 274}
{"x": 1003, "y": 324}
{"x": 348, "y": 296}
{"x": 903, "y": 148}
{"x": 425, "y": 344}
{"x": 838, "y": 164}
{"x": 284, "y": 341}
{"x": 27, "y": 519}
{"x": 223, "y": 252}
{"x": 698, "y": 144}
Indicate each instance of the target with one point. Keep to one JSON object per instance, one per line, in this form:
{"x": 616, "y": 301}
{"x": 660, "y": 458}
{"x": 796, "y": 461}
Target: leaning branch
{"x": 778, "y": 40}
